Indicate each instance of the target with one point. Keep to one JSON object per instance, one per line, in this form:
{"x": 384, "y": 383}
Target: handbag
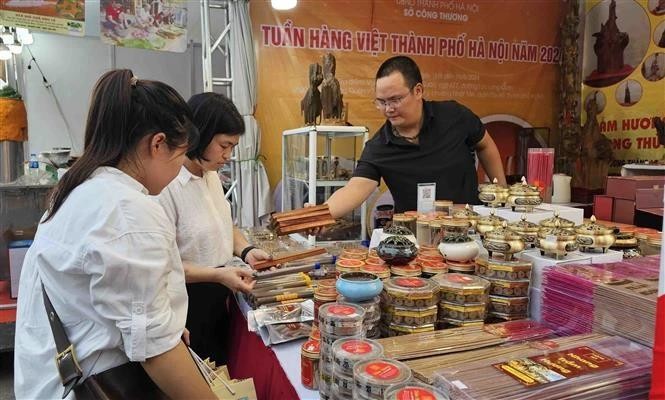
{"x": 126, "y": 381}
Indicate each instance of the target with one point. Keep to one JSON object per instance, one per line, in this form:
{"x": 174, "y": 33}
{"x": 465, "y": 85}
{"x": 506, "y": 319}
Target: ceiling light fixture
{"x": 283, "y": 4}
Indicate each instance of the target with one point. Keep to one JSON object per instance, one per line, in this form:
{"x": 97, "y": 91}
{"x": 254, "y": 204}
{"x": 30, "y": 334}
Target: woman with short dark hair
{"x": 206, "y": 236}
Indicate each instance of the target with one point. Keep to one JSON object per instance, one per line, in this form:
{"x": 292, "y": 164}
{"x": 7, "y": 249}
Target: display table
{"x": 275, "y": 370}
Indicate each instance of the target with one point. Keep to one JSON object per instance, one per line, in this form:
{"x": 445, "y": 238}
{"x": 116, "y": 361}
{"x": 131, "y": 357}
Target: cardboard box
{"x": 536, "y": 304}
{"x": 610, "y": 256}
{"x": 624, "y": 211}
{"x": 649, "y": 218}
{"x": 603, "y": 207}
{"x": 584, "y": 195}
{"x": 649, "y": 198}
{"x": 625, "y": 187}
{"x": 540, "y": 262}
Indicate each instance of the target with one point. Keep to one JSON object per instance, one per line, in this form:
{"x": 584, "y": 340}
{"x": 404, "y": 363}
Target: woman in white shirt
{"x": 106, "y": 254}
{"x": 206, "y": 236}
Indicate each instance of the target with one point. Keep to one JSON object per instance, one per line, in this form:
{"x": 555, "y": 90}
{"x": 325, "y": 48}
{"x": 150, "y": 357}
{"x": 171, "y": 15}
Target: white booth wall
{"x": 73, "y": 64}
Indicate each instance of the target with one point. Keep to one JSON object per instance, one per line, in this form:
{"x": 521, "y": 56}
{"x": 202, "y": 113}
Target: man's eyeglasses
{"x": 393, "y": 102}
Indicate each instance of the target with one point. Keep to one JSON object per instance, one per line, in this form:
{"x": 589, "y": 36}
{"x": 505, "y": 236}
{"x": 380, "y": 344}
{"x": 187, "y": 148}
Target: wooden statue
{"x": 331, "y": 95}
{"x": 310, "y": 105}
{"x": 609, "y": 47}
{"x": 595, "y": 153}
{"x": 610, "y": 44}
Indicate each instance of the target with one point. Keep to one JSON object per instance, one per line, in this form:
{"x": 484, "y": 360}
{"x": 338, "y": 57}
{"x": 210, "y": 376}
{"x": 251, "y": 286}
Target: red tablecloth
{"x": 8, "y": 314}
{"x": 250, "y": 358}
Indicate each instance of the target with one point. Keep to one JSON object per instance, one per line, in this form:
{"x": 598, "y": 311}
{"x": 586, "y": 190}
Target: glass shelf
{"x": 322, "y": 157}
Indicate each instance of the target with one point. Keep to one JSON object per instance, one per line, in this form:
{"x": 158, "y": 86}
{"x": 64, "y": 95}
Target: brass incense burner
{"x": 592, "y": 236}
{"x": 557, "y": 241}
{"x": 504, "y": 241}
{"x": 524, "y": 196}
{"x": 493, "y": 194}
{"x": 528, "y": 231}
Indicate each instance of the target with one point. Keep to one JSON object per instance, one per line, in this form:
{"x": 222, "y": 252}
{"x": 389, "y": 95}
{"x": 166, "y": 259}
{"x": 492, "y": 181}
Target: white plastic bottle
{"x": 33, "y": 170}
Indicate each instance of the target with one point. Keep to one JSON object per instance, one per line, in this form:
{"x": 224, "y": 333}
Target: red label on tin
{"x": 307, "y": 373}
{"x": 356, "y": 347}
{"x": 460, "y": 278}
{"x": 409, "y": 282}
{"x": 382, "y": 370}
{"x": 341, "y": 310}
{"x": 414, "y": 393}
{"x": 311, "y": 346}
{"x": 433, "y": 264}
{"x": 346, "y": 262}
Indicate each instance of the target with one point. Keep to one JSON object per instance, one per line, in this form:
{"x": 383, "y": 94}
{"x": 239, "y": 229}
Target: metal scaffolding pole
{"x": 215, "y": 18}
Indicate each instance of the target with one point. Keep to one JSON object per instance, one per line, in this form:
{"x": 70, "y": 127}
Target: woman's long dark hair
{"x": 123, "y": 110}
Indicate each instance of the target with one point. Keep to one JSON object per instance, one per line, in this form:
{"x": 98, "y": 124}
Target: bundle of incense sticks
{"x": 626, "y": 308}
{"x": 281, "y": 289}
{"x": 540, "y": 167}
{"x": 294, "y": 267}
{"x": 289, "y": 257}
{"x": 425, "y": 368}
{"x": 427, "y": 344}
{"x": 577, "y": 367}
{"x": 301, "y": 220}
{"x": 618, "y": 298}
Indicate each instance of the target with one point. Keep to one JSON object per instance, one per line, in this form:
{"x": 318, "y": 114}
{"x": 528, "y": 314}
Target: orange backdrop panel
{"x": 494, "y": 57}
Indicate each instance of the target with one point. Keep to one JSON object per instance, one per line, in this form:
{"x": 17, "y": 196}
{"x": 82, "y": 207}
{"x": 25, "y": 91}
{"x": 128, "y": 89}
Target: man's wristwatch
{"x": 245, "y": 251}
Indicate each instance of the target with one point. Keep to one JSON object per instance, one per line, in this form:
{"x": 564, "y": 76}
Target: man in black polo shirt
{"x": 421, "y": 142}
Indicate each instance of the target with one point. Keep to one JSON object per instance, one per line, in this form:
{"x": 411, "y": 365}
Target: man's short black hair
{"x": 405, "y": 65}
{"x": 213, "y": 114}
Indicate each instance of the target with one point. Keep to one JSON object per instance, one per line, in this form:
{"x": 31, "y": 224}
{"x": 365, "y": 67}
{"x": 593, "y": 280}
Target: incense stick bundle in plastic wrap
{"x": 427, "y": 344}
{"x": 617, "y": 298}
{"x": 281, "y": 289}
{"x": 579, "y": 367}
{"x": 626, "y": 308}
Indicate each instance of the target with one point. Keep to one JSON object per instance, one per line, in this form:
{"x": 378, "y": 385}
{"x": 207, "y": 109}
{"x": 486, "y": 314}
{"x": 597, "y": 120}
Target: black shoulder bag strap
{"x": 66, "y": 361}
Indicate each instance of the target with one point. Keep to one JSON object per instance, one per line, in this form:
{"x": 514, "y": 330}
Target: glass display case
{"x": 316, "y": 161}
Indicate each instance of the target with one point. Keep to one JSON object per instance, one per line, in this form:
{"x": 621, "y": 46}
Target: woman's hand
{"x": 236, "y": 278}
{"x": 256, "y": 256}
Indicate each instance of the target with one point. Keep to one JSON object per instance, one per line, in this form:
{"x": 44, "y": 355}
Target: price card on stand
{"x": 426, "y": 197}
